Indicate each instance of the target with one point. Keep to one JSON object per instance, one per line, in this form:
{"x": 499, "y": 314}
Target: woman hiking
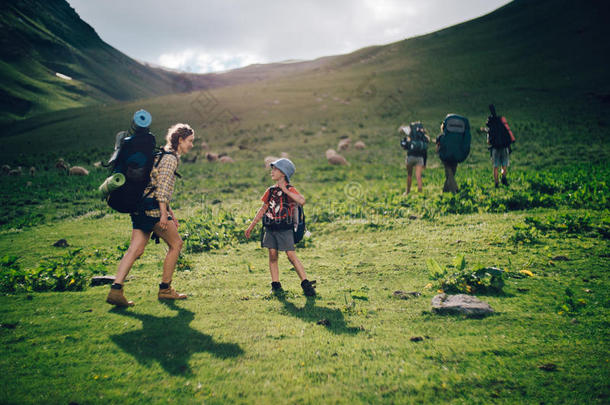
{"x": 156, "y": 216}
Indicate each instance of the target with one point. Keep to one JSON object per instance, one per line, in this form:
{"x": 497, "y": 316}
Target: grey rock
{"x": 61, "y": 243}
{"x": 461, "y": 304}
{"x": 101, "y": 280}
{"x": 403, "y": 295}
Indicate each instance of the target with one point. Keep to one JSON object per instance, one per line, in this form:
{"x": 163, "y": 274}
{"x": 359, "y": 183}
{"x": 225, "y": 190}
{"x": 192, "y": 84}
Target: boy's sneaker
{"x": 117, "y": 298}
{"x": 504, "y": 181}
{"x": 170, "y": 294}
{"x": 276, "y": 288}
{"x": 308, "y": 288}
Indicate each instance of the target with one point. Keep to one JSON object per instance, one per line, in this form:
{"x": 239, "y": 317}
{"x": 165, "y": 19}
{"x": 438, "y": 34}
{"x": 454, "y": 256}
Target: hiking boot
{"x": 497, "y": 185}
{"x": 117, "y": 298}
{"x": 308, "y": 288}
{"x": 170, "y": 294}
{"x": 504, "y": 181}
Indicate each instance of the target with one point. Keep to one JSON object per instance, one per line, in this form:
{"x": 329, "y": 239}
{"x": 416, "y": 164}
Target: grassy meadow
{"x": 232, "y": 341}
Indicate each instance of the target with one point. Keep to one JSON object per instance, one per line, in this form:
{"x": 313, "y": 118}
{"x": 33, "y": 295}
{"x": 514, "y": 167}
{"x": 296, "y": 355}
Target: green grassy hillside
{"x": 534, "y": 68}
{"x": 42, "y": 38}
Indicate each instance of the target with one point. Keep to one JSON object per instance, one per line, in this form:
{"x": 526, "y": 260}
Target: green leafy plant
{"x": 571, "y": 306}
{"x": 478, "y": 280}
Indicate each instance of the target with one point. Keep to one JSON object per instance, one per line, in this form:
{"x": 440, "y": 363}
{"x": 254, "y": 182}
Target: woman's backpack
{"x": 454, "y": 144}
{"x": 135, "y": 159}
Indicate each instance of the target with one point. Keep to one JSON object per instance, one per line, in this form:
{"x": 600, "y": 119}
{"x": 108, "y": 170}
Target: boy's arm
{"x": 296, "y": 197}
{"x": 257, "y": 217}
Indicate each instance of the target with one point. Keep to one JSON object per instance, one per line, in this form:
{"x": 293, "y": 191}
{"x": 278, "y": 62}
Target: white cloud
{"x": 212, "y": 35}
{"x": 190, "y": 60}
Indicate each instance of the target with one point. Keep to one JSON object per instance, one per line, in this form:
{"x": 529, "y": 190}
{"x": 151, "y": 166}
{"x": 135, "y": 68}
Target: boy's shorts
{"x": 279, "y": 240}
{"x": 499, "y": 157}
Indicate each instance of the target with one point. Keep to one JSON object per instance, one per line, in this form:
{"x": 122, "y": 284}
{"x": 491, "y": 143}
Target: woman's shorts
{"x": 279, "y": 240}
{"x": 499, "y": 157}
{"x": 143, "y": 222}
{"x": 415, "y": 161}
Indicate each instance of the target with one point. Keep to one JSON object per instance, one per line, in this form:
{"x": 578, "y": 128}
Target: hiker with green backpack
{"x": 453, "y": 147}
{"x": 499, "y": 140}
{"x": 415, "y": 142}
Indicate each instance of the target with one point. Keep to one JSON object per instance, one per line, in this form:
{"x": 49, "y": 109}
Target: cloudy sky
{"x": 214, "y": 35}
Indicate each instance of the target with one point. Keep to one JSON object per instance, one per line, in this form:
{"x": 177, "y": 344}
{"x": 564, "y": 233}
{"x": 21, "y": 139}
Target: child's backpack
{"x": 498, "y": 135}
{"x": 416, "y": 142}
{"x": 454, "y": 143}
{"x": 133, "y": 157}
{"x": 299, "y": 225}
{"x": 283, "y": 216}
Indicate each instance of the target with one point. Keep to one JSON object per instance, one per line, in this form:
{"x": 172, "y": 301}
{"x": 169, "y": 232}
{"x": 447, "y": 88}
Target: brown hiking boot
{"x": 116, "y": 297}
{"x": 170, "y": 294}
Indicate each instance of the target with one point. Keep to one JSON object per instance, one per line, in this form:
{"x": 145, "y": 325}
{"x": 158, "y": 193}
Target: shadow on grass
{"x": 170, "y": 340}
{"x": 332, "y": 319}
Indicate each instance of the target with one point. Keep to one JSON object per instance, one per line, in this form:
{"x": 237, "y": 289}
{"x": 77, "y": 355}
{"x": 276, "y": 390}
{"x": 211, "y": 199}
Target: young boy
{"x": 279, "y": 205}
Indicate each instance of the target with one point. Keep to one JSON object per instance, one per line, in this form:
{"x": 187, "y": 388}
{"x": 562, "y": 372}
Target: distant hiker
{"x": 277, "y": 212}
{"x": 155, "y": 215}
{"x": 453, "y": 147}
{"x": 499, "y": 139}
{"x": 415, "y": 142}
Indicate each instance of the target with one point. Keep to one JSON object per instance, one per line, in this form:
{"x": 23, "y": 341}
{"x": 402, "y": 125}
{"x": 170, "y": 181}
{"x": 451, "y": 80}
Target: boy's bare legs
{"x": 273, "y": 266}
{"x": 496, "y": 180}
{"x": 298, "y": 266}
{"x": 418, "y": 172}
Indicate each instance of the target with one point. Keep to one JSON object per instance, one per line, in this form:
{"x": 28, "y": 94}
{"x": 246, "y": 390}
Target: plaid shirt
{"x": 162, "y": 178}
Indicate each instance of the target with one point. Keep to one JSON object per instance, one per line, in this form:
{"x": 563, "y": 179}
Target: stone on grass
{"x": 61, "y": 243}
{"x": 403, "y": 295}
{"x": 101, "y": 280}
{"x": 461, "y": 304}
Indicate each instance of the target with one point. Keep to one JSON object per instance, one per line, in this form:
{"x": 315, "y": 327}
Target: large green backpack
{"x": 454, "y": 143}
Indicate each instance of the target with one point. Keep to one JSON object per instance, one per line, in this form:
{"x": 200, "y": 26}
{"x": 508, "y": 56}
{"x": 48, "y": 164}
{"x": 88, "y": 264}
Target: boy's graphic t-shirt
{"x": 281, "y": 207}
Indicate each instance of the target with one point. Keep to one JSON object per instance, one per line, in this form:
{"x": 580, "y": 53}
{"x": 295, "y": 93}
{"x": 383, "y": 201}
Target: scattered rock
{"x": 61, "y": 243}
{"x": 343, "y": 144}
{"x": 9, "y": 325}
{"x": 324, "y": 322}
{"x": 412, "y": 217}
{"x": 360, "y": 145}
{"x": 268, "y": 160}
{"x": 460, "y": 304}
{"x": 523, "y": 289}
{"x": 416, "y": 339}
{"x": 101, "y": 280}
{"x": 88, "y": 310}
{"x": 561, "y": 258}
{"x": 211, "y": 157}
{"x": 337, "y": 160}
{"x": 405, "y": 295}
{"x": 548, "y": 367}
{"x": 588, "y": 291}
{"x": 244, "y": 298}
{"x": 78, "y": 171}
{"x": 226, "y": 159}
{"x": 97, "y": 164}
